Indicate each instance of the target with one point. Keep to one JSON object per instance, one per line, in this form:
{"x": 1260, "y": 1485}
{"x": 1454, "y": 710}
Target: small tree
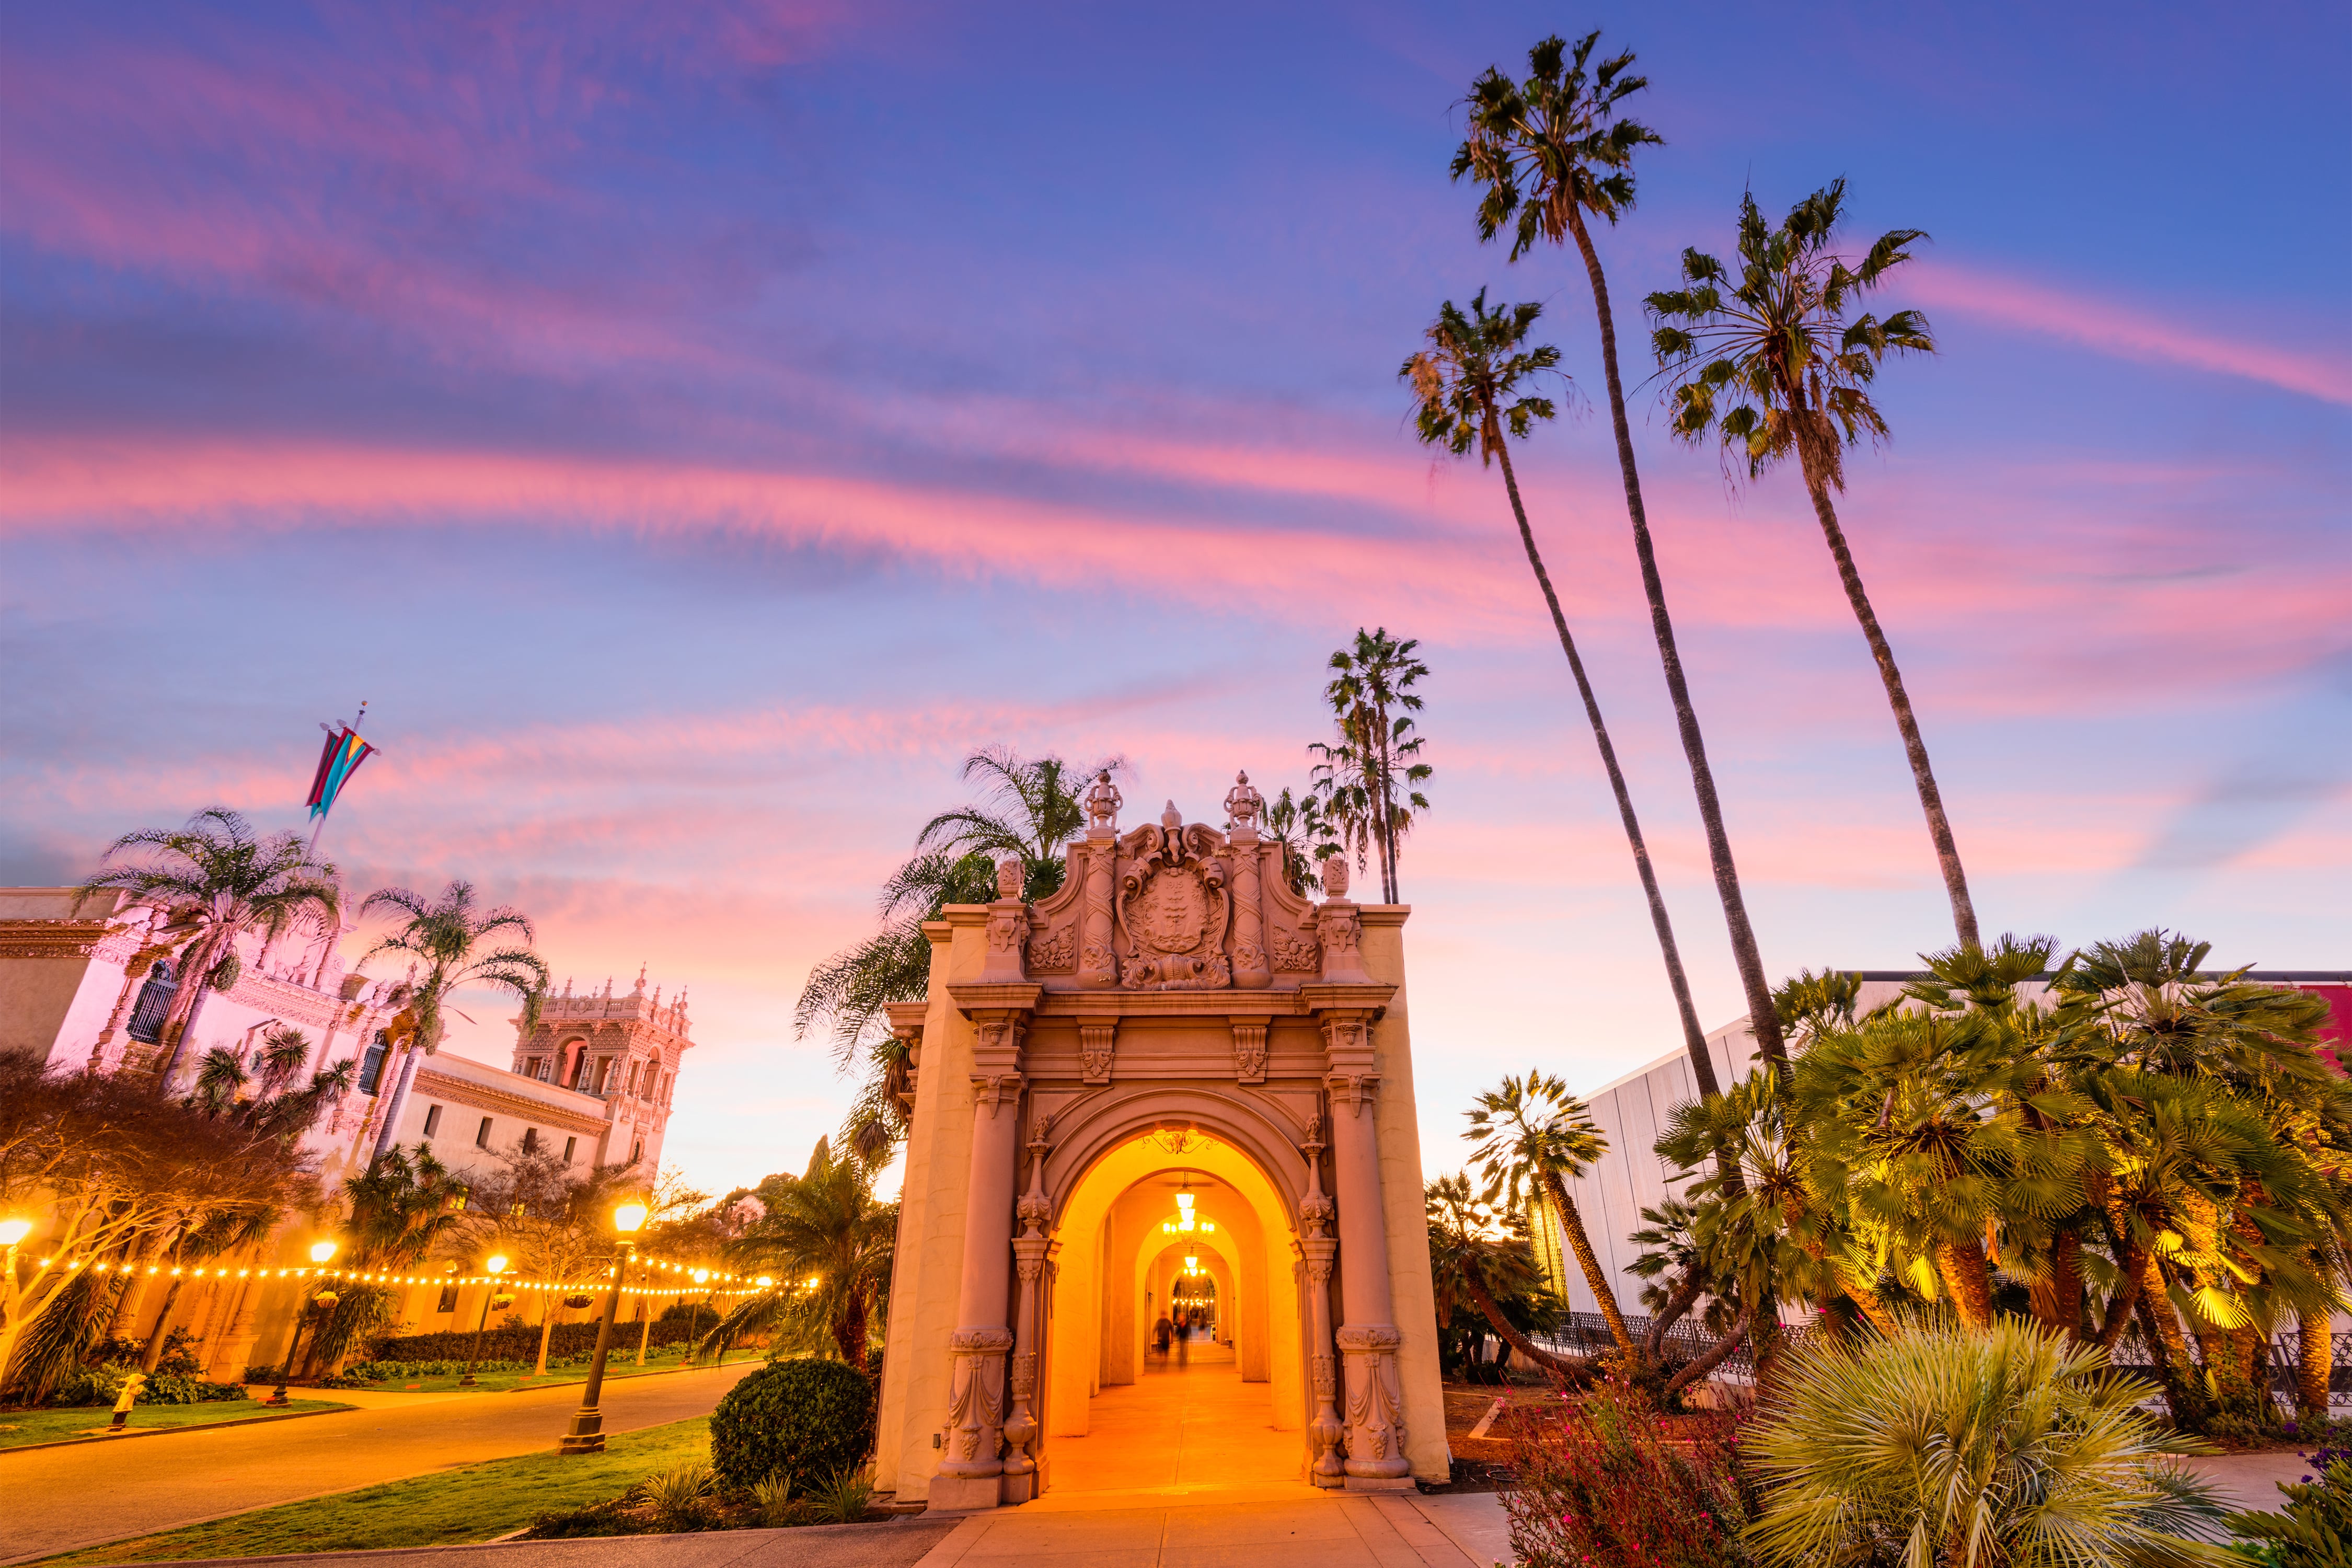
{"x": 121, "y": 1172}
{"x": 553, "y": 1223}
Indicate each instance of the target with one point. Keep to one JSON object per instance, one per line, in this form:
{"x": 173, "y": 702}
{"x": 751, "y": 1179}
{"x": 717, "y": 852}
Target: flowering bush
{"x": 1605, "y": 1483}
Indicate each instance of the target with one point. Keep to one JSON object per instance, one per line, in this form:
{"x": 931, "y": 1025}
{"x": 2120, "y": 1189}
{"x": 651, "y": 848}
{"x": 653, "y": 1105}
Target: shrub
{"x": 1944, "y": 1445}
{"x": 1603, "y": 1485}
{"x": 103, "y": 1385}
{"x": 515, "y": 1341}
{"x": 613, "y": 1516}
{"x": 682, "y": 1496}
{"x": 263, "y": 1373}
{"x": 773, "y": 1499}
{"x": 2314, "y": 1531}
{"x": 807, "y": 1420}
{"x": 844, "y": 1499}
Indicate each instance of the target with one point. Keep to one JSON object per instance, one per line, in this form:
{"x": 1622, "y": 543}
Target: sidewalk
{"x": 1337, "y": 1529}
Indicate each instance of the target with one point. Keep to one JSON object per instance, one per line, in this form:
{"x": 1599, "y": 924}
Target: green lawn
{"x": 19, "y": 1427}
{"x": 619, "y": 1364}
{"x": 472, "y": 1502}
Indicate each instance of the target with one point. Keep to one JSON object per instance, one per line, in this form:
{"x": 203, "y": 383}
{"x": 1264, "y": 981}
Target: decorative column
{"x": 1315, "y": 1247}
{"x": 1098, "y": 955}
{"x": 1029, "y": 1251}
{"x": 1252, "y": 972}
{"x": 1375, "y": 1413}
{"x": 969, "y": 1477}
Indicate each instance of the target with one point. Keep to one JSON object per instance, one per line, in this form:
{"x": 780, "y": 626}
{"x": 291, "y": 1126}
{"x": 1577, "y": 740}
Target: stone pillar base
{"x": 965, "y": 1494}
{"x": 1019, "y": 1489}
{"x": 1380, "y": 1484}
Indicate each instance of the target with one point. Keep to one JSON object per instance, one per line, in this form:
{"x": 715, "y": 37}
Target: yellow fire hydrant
{"x": 126, "y": 1399}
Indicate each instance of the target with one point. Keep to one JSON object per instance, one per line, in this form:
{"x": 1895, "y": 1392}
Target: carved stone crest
{"x": 1173, "y": 909}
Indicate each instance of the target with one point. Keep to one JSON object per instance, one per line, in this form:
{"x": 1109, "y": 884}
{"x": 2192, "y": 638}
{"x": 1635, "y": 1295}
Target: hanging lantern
{"x": 576, "y": 1302}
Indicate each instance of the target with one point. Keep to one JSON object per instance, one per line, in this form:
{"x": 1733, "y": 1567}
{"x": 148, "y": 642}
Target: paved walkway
{"x": 61, "y": 1499}
{"x": 1174, "y": 1431}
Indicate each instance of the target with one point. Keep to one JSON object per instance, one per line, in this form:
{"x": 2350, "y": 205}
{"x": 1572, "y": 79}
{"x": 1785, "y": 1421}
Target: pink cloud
{"x": 2124, "y": 332}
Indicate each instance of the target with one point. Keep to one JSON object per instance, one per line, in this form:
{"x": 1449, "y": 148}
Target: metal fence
{"x": 1587, "y": 1334}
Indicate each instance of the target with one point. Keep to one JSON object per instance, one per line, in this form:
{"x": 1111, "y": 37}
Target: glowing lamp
{"x": 13, "y": 1231}
{"x": 764, "y": 1282}
{"x": 321, "y": 1250}
{"x": 629, "y": 1217}
{"x": 700, "y": 1275}
{"x": 497, "y": 1264}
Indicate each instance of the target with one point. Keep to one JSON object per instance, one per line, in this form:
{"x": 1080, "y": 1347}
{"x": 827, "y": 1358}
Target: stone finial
{"x": 1243, "y": 805}
{"x": 641, "y": 982}
{"x": 1102, "y": 802}
{"x": 1010, "y": 875}
{"x": 1335, "y": 876}
{"x": 1171, "y": 818}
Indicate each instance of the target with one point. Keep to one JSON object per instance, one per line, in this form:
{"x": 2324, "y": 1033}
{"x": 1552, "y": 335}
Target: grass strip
{"x": 472, "y": 1502}
{"x": 19, "y": 1427}
{"x": 619, "y": 1367}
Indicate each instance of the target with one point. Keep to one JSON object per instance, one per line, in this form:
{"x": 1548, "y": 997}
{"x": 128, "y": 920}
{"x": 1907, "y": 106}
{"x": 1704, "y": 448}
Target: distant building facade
{"x": 87, "y": 984}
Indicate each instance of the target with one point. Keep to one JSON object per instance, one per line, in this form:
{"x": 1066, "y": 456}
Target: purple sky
{"x": 695, "y": 427}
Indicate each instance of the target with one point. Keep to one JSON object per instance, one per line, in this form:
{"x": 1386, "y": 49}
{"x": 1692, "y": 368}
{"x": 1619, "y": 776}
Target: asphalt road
{"x": 55, "y": 1499}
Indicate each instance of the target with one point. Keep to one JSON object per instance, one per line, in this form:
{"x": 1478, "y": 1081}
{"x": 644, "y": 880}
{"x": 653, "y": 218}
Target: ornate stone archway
{"x": 1175, "y": 988}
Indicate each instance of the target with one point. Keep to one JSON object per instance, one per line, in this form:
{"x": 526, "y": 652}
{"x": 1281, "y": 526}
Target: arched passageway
{"x": 1224, "y": 1407}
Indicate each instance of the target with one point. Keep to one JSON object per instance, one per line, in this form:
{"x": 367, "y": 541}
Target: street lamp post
{"x": 321, "y": 1252}
{"x": 587, "y": 1433}
{"x": 494, "y": 1267}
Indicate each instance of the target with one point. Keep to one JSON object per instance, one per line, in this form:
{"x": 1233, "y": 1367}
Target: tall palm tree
{"x": 1372, "y": 695}
{"x": 1532, "y": 1135}
{"x": 1768, "y": 362}
{"x": 828, "y": 1244}
{"x": 1033, "y": 808}
{"x": 446, "y": 936}
{"x": 1472, "y": 390}
{"x": 213, "y": 880}
{"x": 1549, "y": 150}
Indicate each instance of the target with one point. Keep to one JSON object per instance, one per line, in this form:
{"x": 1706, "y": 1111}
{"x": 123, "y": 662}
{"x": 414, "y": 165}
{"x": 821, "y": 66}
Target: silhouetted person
{"x": 1161, "y": 1332}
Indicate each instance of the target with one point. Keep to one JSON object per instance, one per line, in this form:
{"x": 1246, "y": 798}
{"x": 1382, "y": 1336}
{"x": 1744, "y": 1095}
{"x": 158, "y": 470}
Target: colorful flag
{"x": 343, "y": 754}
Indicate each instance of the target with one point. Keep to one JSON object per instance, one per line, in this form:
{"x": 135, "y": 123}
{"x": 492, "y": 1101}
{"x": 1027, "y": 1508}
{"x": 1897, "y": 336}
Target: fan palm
{"x": 445, "y": 937}
{"x": 1531, "y": 1135}
{"x": 1035, "y": 806}
{"x": 1474, "y": 390}
{"x": 1297, "y": 823}
{"x": 1939, "y": 1447}
{"x": 1770, "y": 363}
{"x": 1467, "y": 1258}
{"x": 213, "y": 880}
{"x": 403, "y": 1206}
{"x": 1372, "y": 695}
{"x": 1549, "y": 150}
{"x": 828, "y": 1244}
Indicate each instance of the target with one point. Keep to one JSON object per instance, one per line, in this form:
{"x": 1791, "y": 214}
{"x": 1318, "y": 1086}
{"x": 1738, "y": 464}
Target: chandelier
{"x": 1185, "y": 1220}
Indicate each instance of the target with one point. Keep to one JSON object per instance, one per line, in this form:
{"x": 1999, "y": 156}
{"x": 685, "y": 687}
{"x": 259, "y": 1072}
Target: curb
{"x": 168, "y": 1431}
{"x": 798, "y": 1530}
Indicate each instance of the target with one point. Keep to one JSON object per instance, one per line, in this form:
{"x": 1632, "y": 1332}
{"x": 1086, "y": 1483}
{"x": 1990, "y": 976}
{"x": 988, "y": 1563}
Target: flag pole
{"x": 311, "y": 851}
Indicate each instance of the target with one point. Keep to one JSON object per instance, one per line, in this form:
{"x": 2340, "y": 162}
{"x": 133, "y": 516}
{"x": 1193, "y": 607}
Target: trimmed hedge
{"x": 520, "y": 1342}
{"x": 809, "y": 1420}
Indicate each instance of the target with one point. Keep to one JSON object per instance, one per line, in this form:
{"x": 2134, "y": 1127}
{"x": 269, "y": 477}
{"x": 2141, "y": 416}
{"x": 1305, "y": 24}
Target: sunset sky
{"x": 695, "y": 427}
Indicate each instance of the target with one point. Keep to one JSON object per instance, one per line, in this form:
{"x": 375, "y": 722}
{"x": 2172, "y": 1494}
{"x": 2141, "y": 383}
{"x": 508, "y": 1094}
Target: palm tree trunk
{"x": 2315, "y": 1364}
{"x": 1693, "y": 1036}
{"x": 1685, "y": 1295}
{"x": 2057, "y": 1296}
{"x": 1761, "y": 1015}
{"x": 153, "y": 1352}
{"x": 1713, "y": 1358}
{"x": 1484, "y": 1302}
{"x": 1390, "y": 884}
{"x": 1923, "y": 776}
{"x": 1966, "y": 1275}
{"x": 1572, "y": 1224}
